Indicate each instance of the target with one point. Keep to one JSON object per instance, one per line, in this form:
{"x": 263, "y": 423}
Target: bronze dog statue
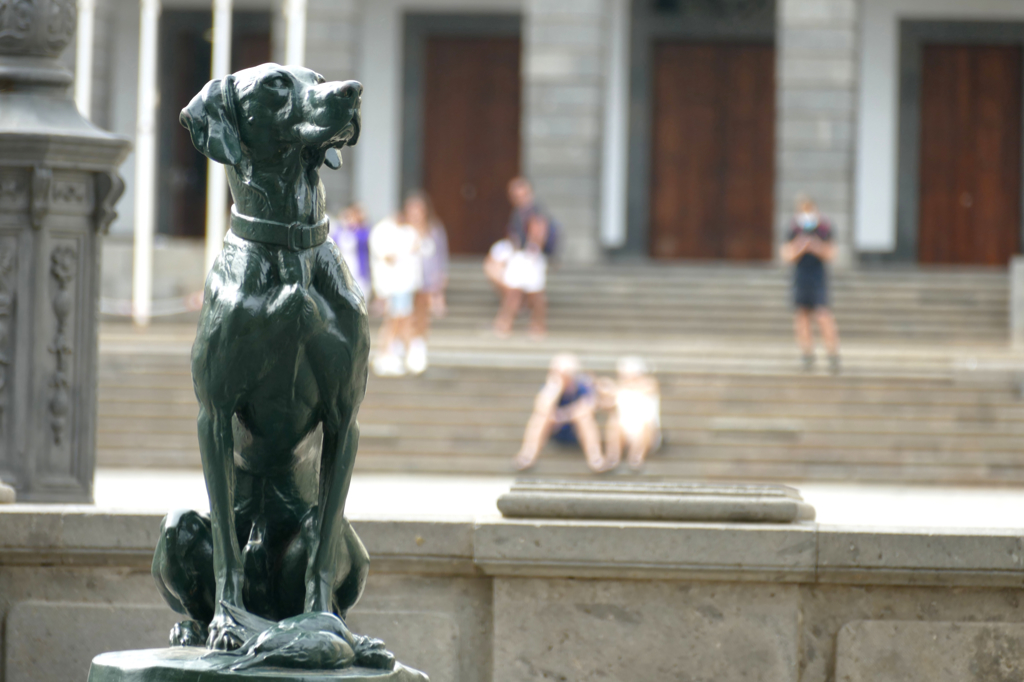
{"x": 279, "y": 366}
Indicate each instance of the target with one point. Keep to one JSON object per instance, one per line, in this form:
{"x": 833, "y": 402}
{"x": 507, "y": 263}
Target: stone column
{"x": 332, "y": 46}
{"x": 58, "y": 185}
{"x": 295, "y": 32}
{"x": 84, "y": 49}
{"x": 563, "y": 71}
{"x": 145, "y": 162}
{"x": 816, "y": 108}
{"x": 1017, "y": 302}
{"x": 216, "y": 173}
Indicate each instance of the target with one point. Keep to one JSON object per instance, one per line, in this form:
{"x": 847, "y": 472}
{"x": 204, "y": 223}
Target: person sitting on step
{"x": 564, "y": 412}
{"x": 525, "y": 278}
{"x": 635, "y": 418}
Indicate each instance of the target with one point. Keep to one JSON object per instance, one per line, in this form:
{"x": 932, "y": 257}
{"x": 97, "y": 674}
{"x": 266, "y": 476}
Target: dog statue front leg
{"x": 331, "y": 549}
{"x": 217, "y": 449}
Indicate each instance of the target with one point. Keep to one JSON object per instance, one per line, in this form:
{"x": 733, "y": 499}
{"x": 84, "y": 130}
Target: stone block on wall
{"x": 911, "y": 651}
{"x": 621, "y": 630}
{"x": 58, "y": 640}
{"x": 818, "y": 12}
{"x": 422, "y": 640}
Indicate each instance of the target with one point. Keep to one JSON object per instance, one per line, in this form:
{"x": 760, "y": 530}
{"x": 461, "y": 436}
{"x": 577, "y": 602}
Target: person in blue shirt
{"x": 524, "y": 207}
{"x": 564, "y": 412}
{"x": 809, "y": 247}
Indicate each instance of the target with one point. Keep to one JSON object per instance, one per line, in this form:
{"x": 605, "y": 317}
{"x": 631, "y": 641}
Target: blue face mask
{"x": 807, "y": 221}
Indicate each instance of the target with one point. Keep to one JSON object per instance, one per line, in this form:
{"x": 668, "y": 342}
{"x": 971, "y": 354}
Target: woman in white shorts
{"x": 525, "y": 277}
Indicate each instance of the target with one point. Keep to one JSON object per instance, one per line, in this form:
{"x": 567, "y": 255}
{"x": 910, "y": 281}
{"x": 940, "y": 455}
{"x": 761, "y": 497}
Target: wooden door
{"x": 970, "y": 182}
{"x": 713, "y": 151}
{"x": 471, "y": 136}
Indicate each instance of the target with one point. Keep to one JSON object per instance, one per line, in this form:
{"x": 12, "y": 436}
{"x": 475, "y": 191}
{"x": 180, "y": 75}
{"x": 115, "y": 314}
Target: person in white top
{"x": 635, "y": 418}
{"x": 429, "y": 300}
{"x": 397, "y": 273}
{"x": 524, "y": 278}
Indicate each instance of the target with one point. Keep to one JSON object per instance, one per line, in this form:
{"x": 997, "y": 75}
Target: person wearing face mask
{"x": 809, "y": 246}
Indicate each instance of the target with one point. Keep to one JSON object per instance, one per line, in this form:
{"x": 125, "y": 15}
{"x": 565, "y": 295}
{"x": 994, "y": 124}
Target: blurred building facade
{"x": 663, "y": 129}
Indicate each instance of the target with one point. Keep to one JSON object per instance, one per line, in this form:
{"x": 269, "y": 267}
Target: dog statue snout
{"x": 350, "y": 90}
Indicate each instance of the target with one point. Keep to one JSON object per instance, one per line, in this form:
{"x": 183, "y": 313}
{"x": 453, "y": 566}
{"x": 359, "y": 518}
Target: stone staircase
{"x": 942, "y": 305}
{"x": 929, "y": 391}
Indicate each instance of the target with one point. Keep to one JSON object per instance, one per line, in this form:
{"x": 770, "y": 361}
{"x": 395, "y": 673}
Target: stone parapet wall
{"x": 504, "y": 600}
{"x": 816, "y": 103}
{"x": 564, "y": 68}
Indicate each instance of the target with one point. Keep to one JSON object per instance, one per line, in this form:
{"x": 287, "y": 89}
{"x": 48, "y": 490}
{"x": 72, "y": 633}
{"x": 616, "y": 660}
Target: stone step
{"x": 692, "y": 468}
{"x": 506, "y": 410}
{"x": 450, "y": 383}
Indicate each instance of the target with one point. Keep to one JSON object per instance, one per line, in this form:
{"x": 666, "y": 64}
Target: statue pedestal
{"x": 194, "y": 664}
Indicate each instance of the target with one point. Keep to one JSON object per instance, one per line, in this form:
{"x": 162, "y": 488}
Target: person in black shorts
{"x": 809, "y": 245}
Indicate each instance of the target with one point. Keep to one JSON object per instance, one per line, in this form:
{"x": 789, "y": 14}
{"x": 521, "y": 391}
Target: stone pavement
{"x": 426, "y": 496}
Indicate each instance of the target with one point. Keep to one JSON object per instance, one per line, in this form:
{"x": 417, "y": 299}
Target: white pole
{"x": 295, "y": 35}
{"x": 614, "y": 173}
{"x": 145, "y": 163}
{"x": 216, "y": 174}
{"x": 84, "y": 37}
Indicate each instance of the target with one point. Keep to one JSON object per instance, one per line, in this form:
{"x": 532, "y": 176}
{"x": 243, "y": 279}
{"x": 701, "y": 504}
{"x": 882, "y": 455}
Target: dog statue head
{"x": 259, "y": 117}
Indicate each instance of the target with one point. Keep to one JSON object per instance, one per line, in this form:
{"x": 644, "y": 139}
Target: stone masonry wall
{"x": 816, "y": 108}
{"x": 507, "y": 600}
{"x": 563, "y": 74}
{"x": 332, "y": 49}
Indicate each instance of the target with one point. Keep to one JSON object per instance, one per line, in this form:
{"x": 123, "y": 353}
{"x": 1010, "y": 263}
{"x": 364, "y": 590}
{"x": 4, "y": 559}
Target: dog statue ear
{"x": 212, "y": 122}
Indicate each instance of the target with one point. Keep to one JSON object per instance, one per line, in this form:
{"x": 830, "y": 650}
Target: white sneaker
{"x": 388, "y": 365}
{"x": 416, "y": 360}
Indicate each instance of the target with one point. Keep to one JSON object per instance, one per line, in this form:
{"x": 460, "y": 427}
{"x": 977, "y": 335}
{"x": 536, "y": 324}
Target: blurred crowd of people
{"x": 401, "y": 266}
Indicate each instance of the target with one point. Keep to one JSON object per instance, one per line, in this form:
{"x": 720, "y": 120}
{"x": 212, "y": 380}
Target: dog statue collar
{"x": 295, "y": 236}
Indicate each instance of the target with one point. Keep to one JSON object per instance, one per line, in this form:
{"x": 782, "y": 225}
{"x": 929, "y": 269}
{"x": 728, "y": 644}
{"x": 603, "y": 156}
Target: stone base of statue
{"x": 196, "y": 664}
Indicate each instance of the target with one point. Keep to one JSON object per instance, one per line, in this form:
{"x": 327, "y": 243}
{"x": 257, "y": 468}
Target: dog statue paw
{"x": 188, "y": 633}
{"x": 225, "y": 634}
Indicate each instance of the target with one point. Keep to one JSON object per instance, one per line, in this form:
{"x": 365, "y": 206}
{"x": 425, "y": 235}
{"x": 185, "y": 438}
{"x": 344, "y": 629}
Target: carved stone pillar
{"x": 58, "y": 186}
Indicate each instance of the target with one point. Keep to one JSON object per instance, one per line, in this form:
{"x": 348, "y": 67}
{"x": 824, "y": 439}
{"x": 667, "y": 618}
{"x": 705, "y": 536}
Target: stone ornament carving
{"x": 8, "y": 262}
{"x": 19, "y": 33}
{"x": 70, "y": 192}
{"x": 10, "y": 192}
{"x": 108, "y": 187}
{"x": 42, "y": 180}
{"x": 60, "y": 24}
{"x": 63, "y": 267}
{"x": 15, "y": 22}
